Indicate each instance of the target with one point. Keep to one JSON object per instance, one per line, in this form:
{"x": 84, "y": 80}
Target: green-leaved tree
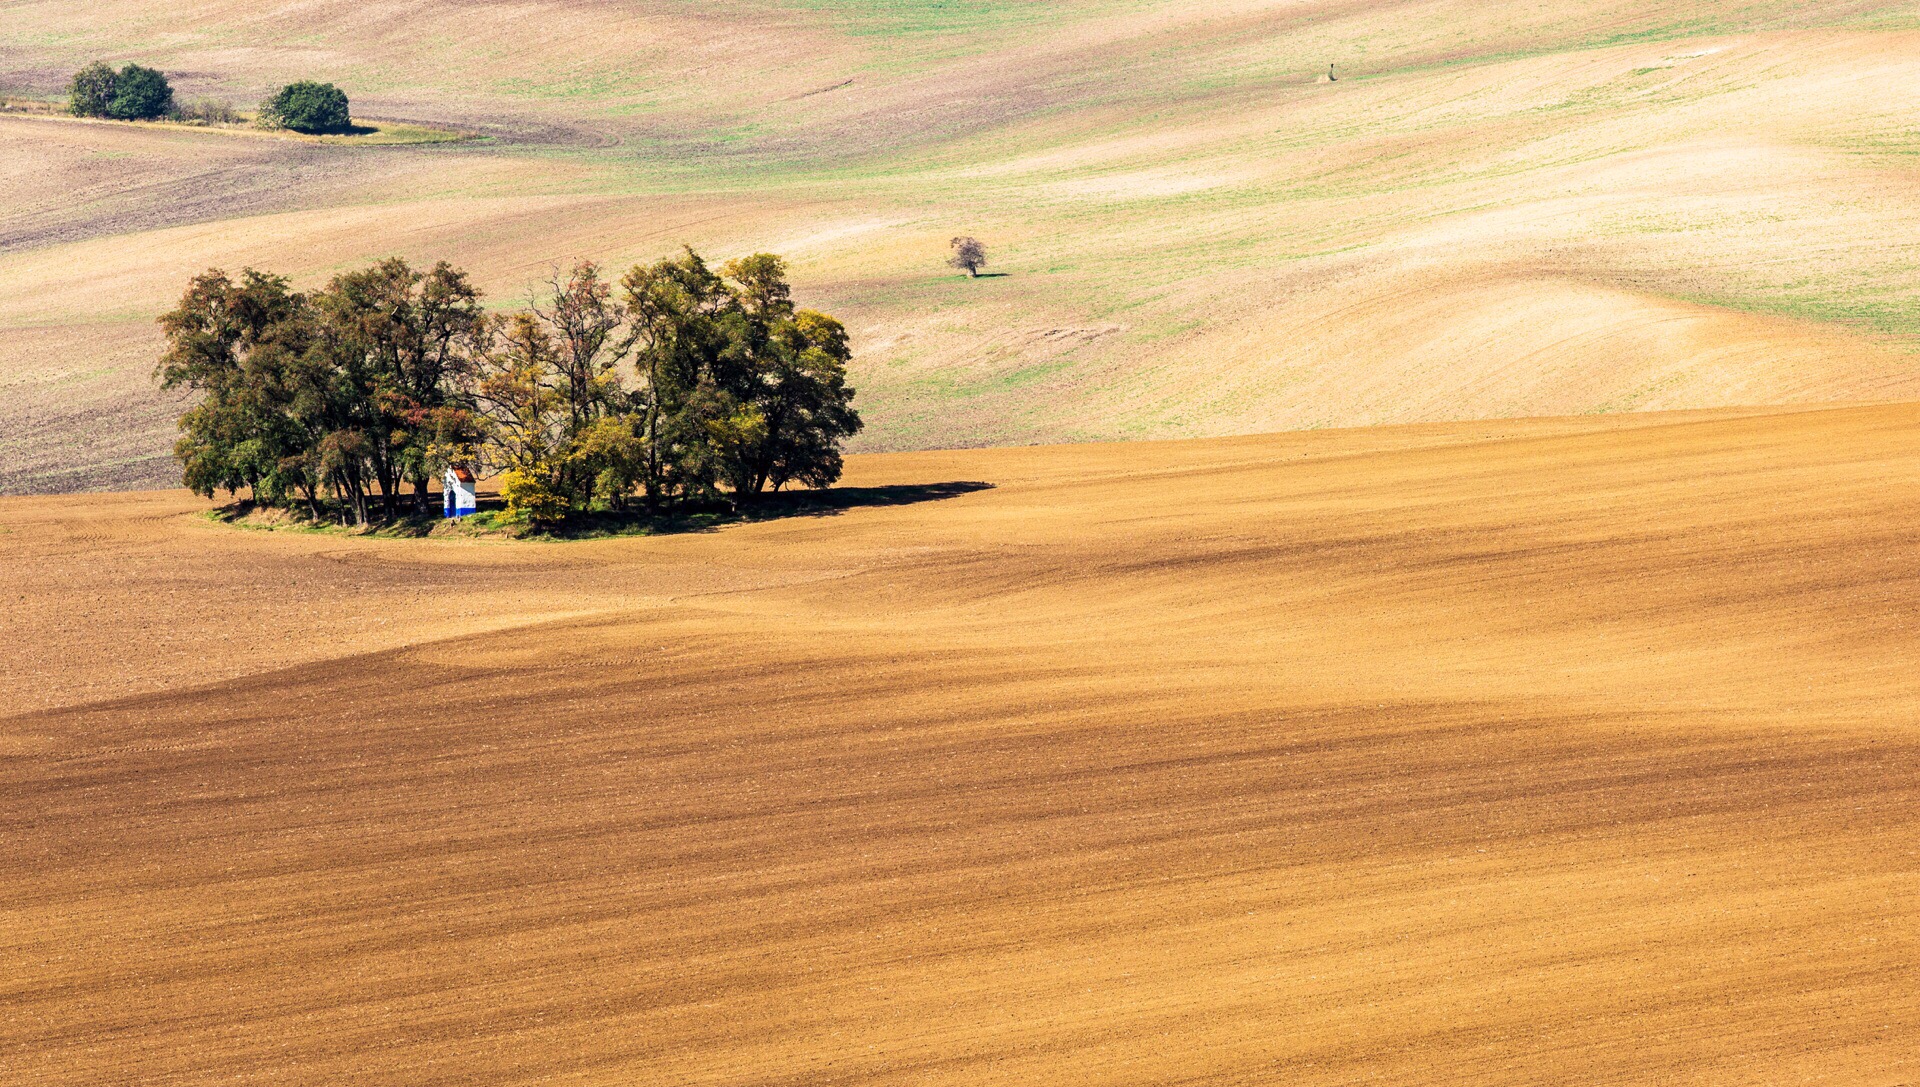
{"x": 309, "y": 107}
{"x": 680, "y": 313}
{"x": 786, "y": 381}
{"x": 405, "y": 342}
{"x": 140, "y": 94}
{"x": 91, "y": 92}
{"x": 262, "y": 411}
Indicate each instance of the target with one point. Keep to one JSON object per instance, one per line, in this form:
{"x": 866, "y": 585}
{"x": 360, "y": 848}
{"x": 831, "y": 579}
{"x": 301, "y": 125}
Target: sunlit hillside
{"x": 1511, "y": 682}
{"x": 1496, "y": 209}
{"x": 1479, "y": 754}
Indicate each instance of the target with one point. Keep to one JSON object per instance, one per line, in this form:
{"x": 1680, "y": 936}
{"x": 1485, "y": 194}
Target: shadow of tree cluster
{"x": 706, "y": 517}
{"x": 680, "y": 517}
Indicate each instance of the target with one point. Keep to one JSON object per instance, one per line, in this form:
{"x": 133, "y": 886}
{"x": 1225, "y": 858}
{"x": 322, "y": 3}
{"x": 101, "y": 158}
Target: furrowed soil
{"x": 1547, "y": 751}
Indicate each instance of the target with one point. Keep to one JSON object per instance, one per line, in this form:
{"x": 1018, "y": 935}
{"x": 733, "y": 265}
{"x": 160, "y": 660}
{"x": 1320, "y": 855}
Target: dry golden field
{"x": 1530, "y": 752}
{"x": 1501, "y": 208}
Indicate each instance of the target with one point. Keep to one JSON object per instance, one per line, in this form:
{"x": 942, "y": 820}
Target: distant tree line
{"x": 135, "y": 93}
{"x": 682, "y": 383}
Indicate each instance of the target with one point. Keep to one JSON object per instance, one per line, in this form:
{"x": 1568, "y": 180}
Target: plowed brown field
{"x": 1575, "y": 751}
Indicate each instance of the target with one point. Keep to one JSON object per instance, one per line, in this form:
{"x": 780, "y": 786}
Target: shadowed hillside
{"x": 1497, "y": 209}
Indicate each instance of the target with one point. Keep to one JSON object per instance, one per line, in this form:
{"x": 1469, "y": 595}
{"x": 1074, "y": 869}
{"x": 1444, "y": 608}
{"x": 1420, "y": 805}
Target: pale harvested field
{"x": 1501, "y": 209}
{"x": 1575, "y": 751}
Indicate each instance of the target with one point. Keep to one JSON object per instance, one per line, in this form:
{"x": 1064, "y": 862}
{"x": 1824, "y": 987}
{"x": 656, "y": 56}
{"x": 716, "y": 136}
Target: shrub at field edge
{"x": 307, "y": 107}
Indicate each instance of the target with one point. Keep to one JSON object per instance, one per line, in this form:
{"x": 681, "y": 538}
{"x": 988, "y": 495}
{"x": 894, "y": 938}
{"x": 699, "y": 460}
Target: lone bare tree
{"x": 968, "y": 255}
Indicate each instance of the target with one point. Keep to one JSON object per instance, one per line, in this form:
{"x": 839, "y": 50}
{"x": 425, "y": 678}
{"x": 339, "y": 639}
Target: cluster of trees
{"x": 678, "y": 383}
{"x": 135, "y": 93}
{"x": 131, "y": 94}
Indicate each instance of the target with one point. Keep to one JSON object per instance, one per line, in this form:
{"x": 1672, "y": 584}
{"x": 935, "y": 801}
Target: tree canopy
{"x": 969, "y": 255}
{"x": 140, "y": 94}
{"x": 677, "y": 383}
{"x": 313, "y": 108}
{"x": 91, "y": 91}
{"x": 133, "y": 93}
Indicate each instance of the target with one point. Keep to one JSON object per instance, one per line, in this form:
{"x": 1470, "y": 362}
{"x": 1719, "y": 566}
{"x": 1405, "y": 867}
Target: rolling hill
{"x": 1404, "y": 573}
{"x": 1486, "y": 753}
{"x": 1496, "y": 209}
